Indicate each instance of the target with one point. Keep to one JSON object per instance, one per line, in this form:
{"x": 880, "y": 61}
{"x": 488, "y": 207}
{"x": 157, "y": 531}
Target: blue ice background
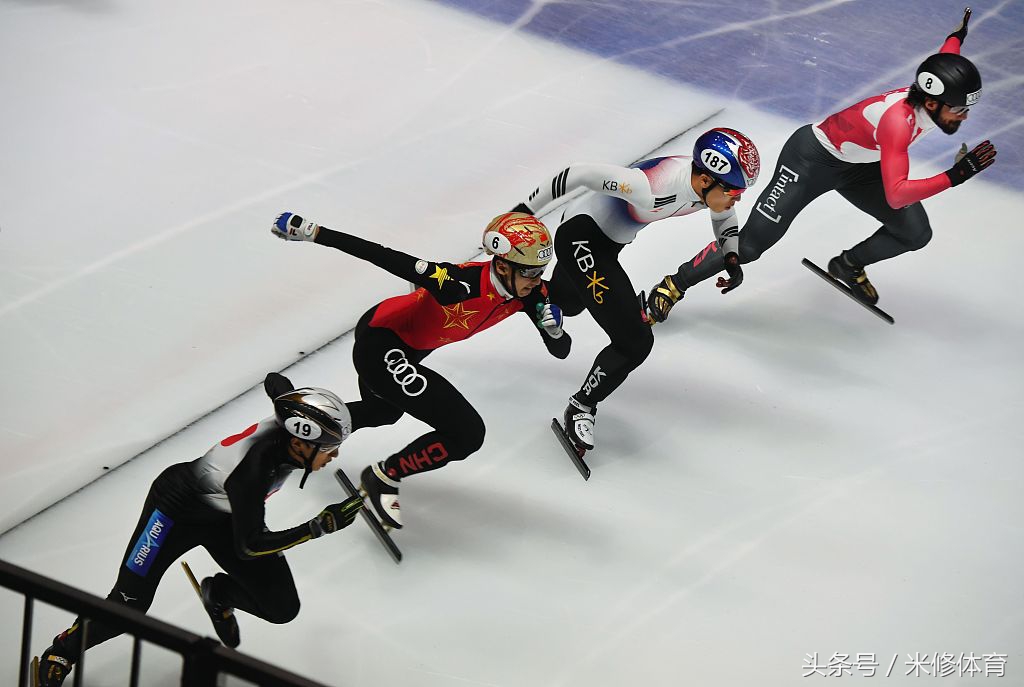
{"x": 803, "y": 60}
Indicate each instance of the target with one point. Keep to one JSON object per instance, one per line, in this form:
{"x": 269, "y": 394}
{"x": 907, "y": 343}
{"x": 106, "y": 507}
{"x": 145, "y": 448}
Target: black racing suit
{"x": 217, "y": 502}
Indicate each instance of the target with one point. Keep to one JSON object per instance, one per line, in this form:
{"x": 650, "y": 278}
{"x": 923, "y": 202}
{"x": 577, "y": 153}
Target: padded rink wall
{"x": 155, "y": 146}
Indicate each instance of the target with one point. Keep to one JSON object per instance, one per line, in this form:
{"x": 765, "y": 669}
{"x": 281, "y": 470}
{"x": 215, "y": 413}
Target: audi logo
{"x": 405, "y": 373}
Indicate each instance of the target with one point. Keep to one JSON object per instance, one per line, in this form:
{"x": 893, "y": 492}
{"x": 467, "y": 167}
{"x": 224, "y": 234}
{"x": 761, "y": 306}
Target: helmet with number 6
{"x": 727, "y": 156}
{"x": 519, "y": 238}
{"x": 314, "y": 415}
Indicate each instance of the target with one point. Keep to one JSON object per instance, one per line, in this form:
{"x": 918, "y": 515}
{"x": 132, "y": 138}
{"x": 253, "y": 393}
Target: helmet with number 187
{"x": 727, "y": 156}
{"x": 519, "y": 238}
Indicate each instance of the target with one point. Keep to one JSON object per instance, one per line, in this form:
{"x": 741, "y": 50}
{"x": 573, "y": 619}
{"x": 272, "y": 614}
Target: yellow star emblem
{"x": 441, "y": 275}
{"x": 457, "y": 316}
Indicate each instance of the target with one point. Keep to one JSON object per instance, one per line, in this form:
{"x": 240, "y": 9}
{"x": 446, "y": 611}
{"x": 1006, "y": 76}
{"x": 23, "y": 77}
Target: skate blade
{"x": 845, "y": 290}
{"x": 369, "y": 516}
{"x": 574, "y": 452}
{"x": 192, "y": 579}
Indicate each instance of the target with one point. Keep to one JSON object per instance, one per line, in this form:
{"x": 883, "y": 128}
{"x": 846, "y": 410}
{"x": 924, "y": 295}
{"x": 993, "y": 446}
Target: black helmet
{"x": 949, "y": 78}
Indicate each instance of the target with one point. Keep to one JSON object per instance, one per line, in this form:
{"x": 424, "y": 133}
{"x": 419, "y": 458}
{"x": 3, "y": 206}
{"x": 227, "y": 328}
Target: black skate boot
{"x": 223, "y": 617}
{"x": 49, "y": 670}
{"x": 382, "y": 493}
{"x": 579, "y": 423}
{"x": 854, "y": 277}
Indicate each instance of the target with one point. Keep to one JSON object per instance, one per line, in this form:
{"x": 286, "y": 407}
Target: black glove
{"x": 522, "y": 207}
{"x": 983, "y": 155}
{"x": 732, "y": 266}
{"x": 961, "y": 31}
{"x": 276, "y": 384}
{"x": 336, "y": 516}
{"x": 663, "y": 296}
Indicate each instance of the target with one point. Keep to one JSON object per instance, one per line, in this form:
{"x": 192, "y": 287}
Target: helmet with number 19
{"x": 314, "y": 415}
{"x": 728, "y": 157}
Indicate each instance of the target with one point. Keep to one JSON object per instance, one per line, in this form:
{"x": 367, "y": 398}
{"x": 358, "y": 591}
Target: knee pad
{"x": 465, "y": 439}
{"x": 285, "y": 610}
{"x": 749, "y": 251}
{"x": 913, "y": 230}
{"x": 474, "y": 433}
{"x": 919, "y": 239}
{"x": 637, "y": 346}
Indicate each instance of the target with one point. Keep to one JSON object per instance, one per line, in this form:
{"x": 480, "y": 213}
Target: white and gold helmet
{"x": 520, "y": 239}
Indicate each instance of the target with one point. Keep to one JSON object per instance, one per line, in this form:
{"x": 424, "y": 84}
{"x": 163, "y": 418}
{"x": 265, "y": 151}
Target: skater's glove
{"x": 276, "y": 384}
{"x": 969, "y": 164}
{"x": 549, "y": 318}
{"x": 291, "y": 227}
{"x": 663, "y": 296}
{"x": 961, "y": 31}
{"x": 732, "y": 266}
{"x": 336, "y": 516}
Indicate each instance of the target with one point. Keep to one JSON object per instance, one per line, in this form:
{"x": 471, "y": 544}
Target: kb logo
{"x": 405, "y": 373}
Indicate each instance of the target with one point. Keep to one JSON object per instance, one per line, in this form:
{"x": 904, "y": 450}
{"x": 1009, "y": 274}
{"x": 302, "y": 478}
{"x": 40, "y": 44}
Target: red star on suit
{"x": 457, "y": 316}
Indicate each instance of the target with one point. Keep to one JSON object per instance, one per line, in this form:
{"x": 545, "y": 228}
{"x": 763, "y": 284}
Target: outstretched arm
{"x": 442, "y": 279}
{"x": 959, "y": 35}
{"x": 245, "y": 487}
{"x": 245, "y": 490}
{"x": 627, "y": 183}
{"x": 894, "y": 134}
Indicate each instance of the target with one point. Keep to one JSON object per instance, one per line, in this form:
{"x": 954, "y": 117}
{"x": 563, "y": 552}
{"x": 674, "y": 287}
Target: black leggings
{"x": 262, "y": 586}
{"x": 394, "y": 381}
{"x": 805, "y": 171}
{"x": 588, "y": 275}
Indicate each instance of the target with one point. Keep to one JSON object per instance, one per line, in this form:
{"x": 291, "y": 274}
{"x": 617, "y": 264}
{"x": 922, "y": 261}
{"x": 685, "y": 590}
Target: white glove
{"x": 291, "y": 227}
{"x": 549, "y": 318}
{"x": 960, "y": 154}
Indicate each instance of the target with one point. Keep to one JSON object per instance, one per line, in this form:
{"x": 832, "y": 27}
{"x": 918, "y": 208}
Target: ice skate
{"x": 854, "y": 277}
{"x": 839, "y": 285}
{"x": 382, "y": 494}
{"x": 579, "y": 424}
{"x": 50, "y": 670}
{"x": 380, "y": 531}
{"x": 223, "y": 617}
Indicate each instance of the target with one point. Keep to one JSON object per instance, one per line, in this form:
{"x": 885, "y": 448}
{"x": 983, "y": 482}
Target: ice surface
{"x": 784, "y": 475}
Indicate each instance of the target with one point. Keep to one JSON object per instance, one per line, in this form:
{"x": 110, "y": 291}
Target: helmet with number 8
{"x": 519, "y": 238}
{"x": 727, "y": 156}
{"x": 949, "y": 78}
{"x": 314, "y": 415}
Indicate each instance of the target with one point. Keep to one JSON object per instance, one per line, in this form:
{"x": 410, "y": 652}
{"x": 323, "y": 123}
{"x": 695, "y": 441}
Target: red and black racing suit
{"x": 454, "y": 302}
